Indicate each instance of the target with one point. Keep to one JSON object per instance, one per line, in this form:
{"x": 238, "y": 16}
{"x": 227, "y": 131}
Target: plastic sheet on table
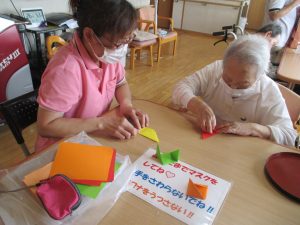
{"x": 23, "y": 207}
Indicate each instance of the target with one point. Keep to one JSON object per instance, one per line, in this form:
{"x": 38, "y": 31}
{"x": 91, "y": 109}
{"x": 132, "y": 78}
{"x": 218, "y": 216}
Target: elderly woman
{"x": 236, "y": 95}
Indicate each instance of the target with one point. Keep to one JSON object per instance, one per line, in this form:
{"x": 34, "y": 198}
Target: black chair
{"x": 19, "y": 113}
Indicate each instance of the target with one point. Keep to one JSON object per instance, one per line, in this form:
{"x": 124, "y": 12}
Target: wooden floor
{"x": 152, "y": 83}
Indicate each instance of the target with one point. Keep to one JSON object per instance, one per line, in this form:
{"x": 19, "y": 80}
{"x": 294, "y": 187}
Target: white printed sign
{"x": 165, "y": 186}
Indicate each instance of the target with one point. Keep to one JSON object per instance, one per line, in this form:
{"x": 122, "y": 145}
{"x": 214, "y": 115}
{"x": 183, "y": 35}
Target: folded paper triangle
{"x": 149, "y": 133}
{"x": 85, "y": 164}
{"x": 197, "y": 190}
{"x": 167, "y": 157}
{"x": 207, "y": 135}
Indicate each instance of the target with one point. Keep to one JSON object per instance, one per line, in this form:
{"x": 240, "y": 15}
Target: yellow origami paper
{"x": 149, "y": 133}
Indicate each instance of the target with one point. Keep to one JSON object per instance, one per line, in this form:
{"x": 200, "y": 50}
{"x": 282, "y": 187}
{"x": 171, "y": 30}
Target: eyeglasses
{"x": 119, "y": 43}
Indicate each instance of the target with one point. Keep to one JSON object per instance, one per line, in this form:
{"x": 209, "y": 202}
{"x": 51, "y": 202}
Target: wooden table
{"x": 252, "y": 199}
{"x": 240, "y": 160}
{"x": 289, "y": 68}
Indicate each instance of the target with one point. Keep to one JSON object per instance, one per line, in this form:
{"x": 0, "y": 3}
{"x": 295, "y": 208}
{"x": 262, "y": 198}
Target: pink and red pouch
{"x": 59, "y": 196}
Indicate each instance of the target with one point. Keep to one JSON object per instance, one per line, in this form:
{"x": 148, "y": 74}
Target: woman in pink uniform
{"x": 82, "y": 79}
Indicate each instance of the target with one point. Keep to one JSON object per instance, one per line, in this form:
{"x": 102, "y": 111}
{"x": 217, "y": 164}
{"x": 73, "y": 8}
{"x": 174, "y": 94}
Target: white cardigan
{"x": 262, "y": 103}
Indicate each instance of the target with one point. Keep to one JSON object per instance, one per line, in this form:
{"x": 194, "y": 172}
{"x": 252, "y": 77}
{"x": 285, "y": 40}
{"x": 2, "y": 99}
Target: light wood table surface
{"x": 252, "y": 200}
{"x": 289, "y": 68}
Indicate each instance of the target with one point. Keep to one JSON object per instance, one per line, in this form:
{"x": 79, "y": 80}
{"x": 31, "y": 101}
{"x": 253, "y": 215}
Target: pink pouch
{"x": 59, "y": 196}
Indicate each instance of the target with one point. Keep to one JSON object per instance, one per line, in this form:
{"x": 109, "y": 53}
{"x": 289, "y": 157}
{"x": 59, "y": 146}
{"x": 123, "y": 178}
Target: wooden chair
{"x": 292, "y": 101}
{"x": 147, "y": 13}
{"x": 136, "y": 46}
{"x": 53, "y": 43}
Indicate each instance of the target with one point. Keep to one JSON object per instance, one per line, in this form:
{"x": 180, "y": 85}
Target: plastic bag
{"x": 24, "y": 208}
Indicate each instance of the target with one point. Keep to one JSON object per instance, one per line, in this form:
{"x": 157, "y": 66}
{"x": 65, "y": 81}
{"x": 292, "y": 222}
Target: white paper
{"x": 71, "y": 23}
{"x": 165, "y": 187}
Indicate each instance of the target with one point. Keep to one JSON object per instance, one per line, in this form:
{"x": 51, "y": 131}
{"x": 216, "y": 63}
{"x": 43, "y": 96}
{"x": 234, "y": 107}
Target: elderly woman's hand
{"x": 242, "y": 129}
{"x": 245, "y": 129}
{"x": 206, "y": 119}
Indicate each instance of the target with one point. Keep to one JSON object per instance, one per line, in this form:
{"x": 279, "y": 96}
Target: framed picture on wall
{"x": 35, "y": 16}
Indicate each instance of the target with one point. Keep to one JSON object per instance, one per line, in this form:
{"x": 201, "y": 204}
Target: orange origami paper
{"x": 110, "y": 178}
{"x": 197, "y": 190}
{"x": 37, "y": 175}
{"x": 84, "y": 164}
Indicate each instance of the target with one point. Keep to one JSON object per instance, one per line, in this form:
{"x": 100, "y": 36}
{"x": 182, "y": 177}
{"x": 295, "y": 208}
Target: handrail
{"x": 205, "y": 2}
{"x": 214, "y": 3}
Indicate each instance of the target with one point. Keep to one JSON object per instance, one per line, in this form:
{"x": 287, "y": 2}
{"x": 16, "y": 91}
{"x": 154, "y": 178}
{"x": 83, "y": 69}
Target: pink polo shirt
{"x": 75, "y": 85}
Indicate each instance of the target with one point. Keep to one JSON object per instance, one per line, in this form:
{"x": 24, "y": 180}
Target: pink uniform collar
{"x": 89, "y": 63}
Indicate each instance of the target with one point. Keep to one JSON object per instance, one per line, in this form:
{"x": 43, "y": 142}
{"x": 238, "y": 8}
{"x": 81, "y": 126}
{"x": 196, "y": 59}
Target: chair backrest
{"x": 19, "y": 113}
{"x": 53, "y": 43}
{"x": 292, "y": 101}
{"x": 146, "y": 13}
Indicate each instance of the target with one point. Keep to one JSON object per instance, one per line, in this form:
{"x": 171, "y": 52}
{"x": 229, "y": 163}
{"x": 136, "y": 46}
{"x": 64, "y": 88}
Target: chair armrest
{"x": 169, "y": 19}
{"x": 148, "y": 24}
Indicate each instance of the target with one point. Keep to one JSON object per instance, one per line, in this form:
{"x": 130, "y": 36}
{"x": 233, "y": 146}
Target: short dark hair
{"x": 116, "y": 17}
{"x": 273, "y": 27}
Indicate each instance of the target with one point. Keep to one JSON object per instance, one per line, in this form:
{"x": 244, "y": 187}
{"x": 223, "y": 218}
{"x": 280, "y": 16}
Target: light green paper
{"x": 93, "y": 191}
{"x": 167, "y": 157}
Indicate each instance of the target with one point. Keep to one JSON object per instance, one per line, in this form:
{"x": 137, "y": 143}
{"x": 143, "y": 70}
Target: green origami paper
{"x": 167, "y": 157}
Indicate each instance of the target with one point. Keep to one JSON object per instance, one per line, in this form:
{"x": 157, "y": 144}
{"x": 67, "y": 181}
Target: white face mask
{"x": 237, "y": 93}
{"x": 111, "y": 56}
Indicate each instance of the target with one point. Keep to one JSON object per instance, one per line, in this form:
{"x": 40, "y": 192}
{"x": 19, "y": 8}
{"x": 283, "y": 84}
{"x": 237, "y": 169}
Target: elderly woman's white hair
{"x": 250, "y": 49}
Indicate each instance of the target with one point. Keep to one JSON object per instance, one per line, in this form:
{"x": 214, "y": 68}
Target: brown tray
{"x": 283, "y": 170}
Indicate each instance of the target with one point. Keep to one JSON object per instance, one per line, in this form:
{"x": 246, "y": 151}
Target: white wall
{"x": 48, "y": 6}
{"x": 139, "y": 3}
